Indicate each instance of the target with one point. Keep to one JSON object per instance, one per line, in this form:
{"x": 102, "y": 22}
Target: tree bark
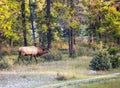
{"x": 71, "y": 33}
{"x": 24, "y": 22}
{"x": 11, "y": 43}
{"x": 74, "y": 33}
{"x": 91, "y": 39}
{"x": 49, "y": 32}
{"x": 118, "y": 41}
{"x": 100, "y": 36}
{"x": 32, "y": 16}
{"x": 71, "y": 43}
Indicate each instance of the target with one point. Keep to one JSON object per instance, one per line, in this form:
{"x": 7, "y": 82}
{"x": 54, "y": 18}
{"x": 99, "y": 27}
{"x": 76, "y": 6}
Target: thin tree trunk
{"x": 49, "y": 38}
{"x": 11, "y": 43}
{"x": 49, "y": 33}
{"x": 74, "y": 37}
{"x": 32, "y": 20}
{"x": 71, "y": 31}
{"x": 24, "y": 22}
{"x": 100, "y": 36}
{"x": 71, "y": 43}
{"x": 118, "y": 41}
{"x": 33, "y": 30}
{"x": 91, "y": 39}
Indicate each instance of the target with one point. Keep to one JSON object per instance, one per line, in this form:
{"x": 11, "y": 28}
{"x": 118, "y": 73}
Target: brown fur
{"x": 31, "y": 51}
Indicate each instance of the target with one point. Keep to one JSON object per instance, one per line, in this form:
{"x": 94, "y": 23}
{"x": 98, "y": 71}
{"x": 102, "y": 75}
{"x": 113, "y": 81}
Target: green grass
{"x": 110, "y": 84}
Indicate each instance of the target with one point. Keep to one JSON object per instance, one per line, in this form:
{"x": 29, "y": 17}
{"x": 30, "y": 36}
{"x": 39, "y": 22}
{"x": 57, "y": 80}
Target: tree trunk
{"x": 33, "y": 31}
{"x": 118, "y": 41}
{"x": 49, "y": 33}
{"x": 32, "y": 16}
{"x": 91, "y": 39}
{"x": 24, "y": 22}
{"x": 71, "y": 32}
{"x": 11, "y": 43}
{"x": 71, "y": 43}
{"x": 100, "y": 36}
{"x": 74, "y": 37}
{"x": 49, "y": 38}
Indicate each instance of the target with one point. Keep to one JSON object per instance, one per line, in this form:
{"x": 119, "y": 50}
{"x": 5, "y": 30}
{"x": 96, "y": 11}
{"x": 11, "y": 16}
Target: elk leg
{"x": 19, "y": 57}
{"x": 35, "y": 59}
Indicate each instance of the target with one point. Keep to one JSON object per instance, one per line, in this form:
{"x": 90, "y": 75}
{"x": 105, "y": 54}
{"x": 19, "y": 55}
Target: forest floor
{"x": 43, "y": 75}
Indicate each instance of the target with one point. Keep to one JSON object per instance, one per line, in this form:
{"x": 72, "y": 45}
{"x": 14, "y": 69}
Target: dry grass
{"x": 70, "y": 68}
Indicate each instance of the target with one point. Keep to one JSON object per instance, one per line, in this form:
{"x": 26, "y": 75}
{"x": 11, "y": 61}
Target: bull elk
{"x": 31, "y": 51}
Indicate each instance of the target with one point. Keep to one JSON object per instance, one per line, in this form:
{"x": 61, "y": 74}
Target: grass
{"x": 70, "y": 68}
{"x": 110, "y": 84}
{"x": 76, "y": 68}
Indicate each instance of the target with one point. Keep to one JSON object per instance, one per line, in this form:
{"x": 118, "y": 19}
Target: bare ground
{"x": 23, "y": 80}
{"x": 16, "y": 79}
{"x": 43, "y": 75}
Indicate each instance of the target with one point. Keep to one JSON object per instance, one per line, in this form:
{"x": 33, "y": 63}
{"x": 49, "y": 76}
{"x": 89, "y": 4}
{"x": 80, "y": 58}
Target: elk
{"x": 31, "y": 51}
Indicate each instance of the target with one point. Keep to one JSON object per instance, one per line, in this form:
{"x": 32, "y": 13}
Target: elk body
{"x": 31, "y": 51}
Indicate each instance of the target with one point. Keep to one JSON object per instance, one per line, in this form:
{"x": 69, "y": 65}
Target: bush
{"x": 5, "y": 63}
{"x": 115, "y": 61}
{"x": 53, "y": 55}
{"x": 114, "y": 58}
{"x": 95, "y": 45}
{"x": 101, "y": 61}
{"x": 113, "y": 50}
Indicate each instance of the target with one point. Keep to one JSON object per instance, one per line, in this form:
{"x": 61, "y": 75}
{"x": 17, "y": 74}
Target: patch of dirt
{"x": 33, "y": 79}
{"x": 15, "y": 79}
{"x": 44, "y": 75}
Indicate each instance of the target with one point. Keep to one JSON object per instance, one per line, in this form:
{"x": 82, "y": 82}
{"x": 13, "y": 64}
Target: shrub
{"x": 54, "y": 54}
{"x": 101, "y": 61}
{"x": 97, "y": 45}
{"x": 115, "y": 62}
{"x": 114, "y": 58}
{"x": 5, "y": 63}
{"x": 113, "y": 50}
